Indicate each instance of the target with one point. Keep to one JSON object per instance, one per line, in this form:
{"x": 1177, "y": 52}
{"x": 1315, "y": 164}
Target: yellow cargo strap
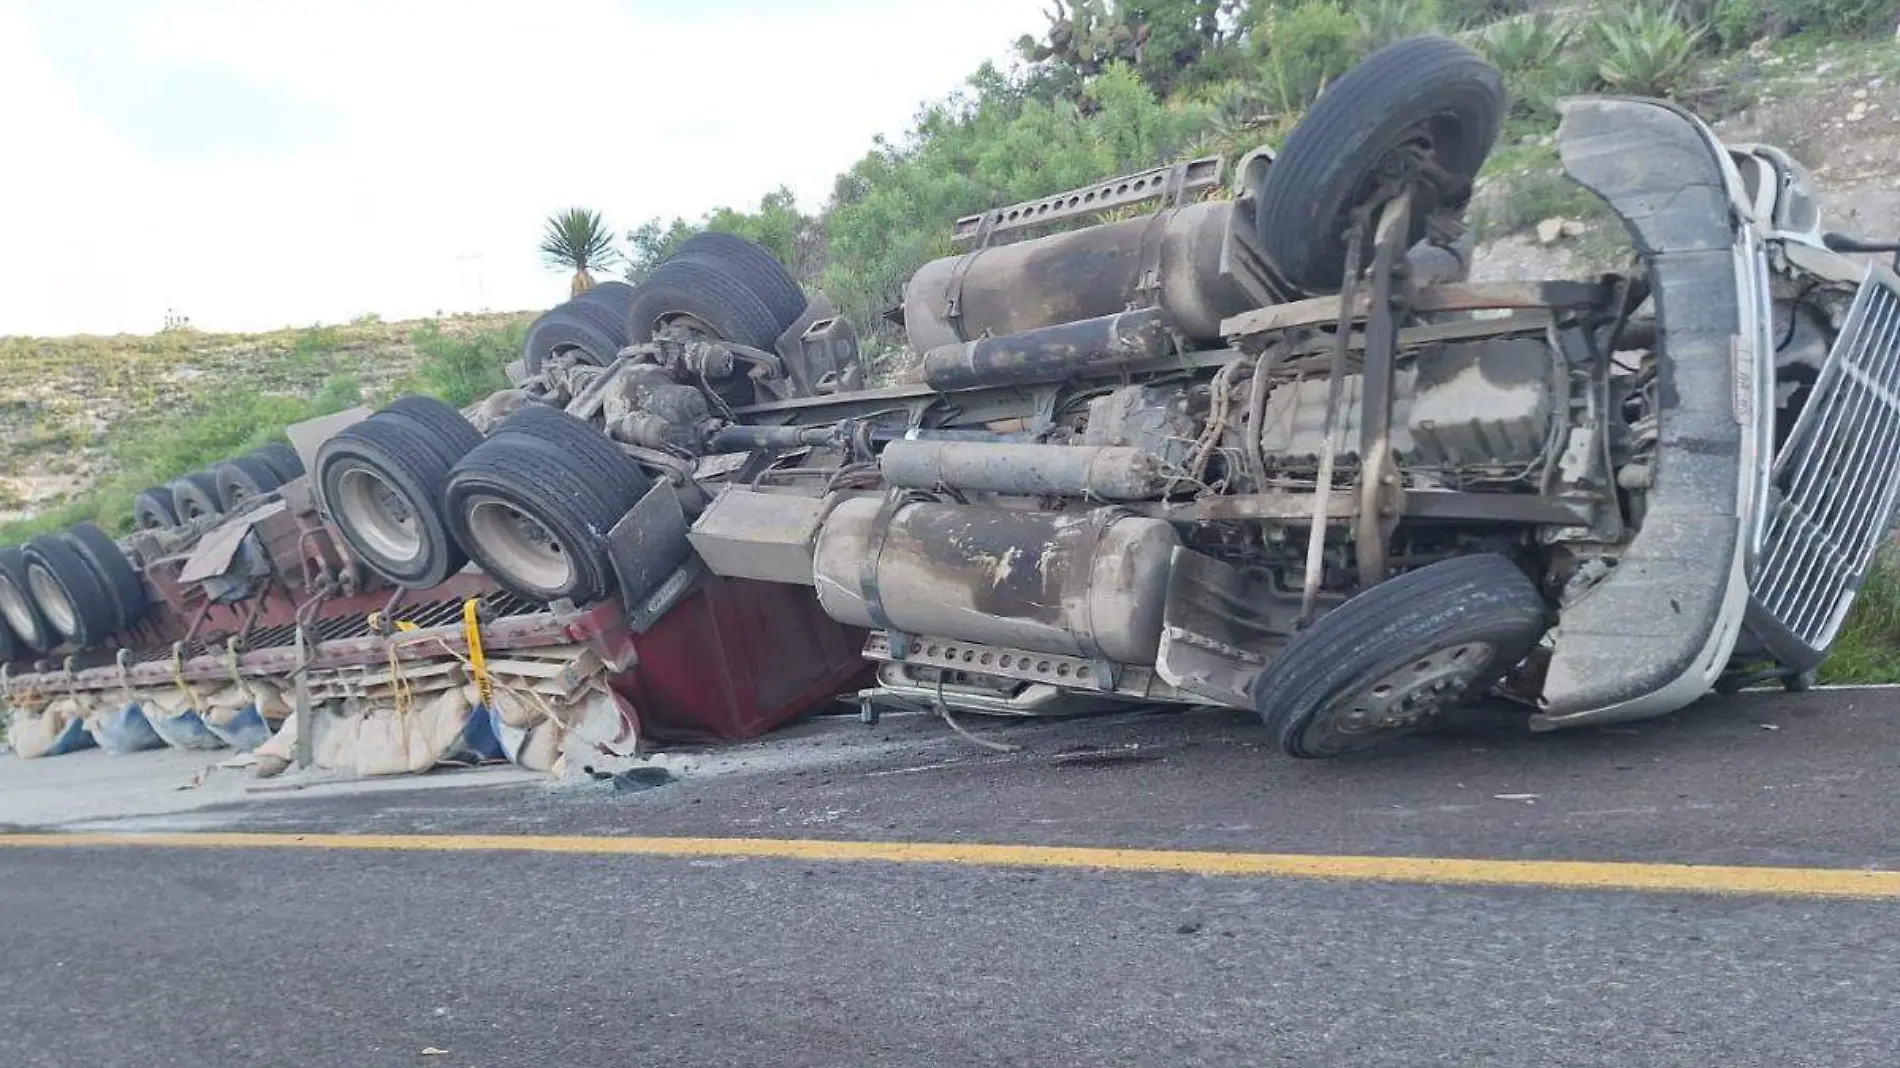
{"x": 477, "y": 660}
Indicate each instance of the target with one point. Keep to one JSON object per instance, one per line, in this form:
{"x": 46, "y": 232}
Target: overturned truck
{"x": 1270, "y": 451}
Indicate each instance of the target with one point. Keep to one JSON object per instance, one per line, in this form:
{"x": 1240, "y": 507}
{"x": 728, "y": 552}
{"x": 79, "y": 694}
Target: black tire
{"x": 9, "y": 648}
{"x": 561, "y": 329}
{"x": 445, "y": 427}
{"x": 754, "y": 266}
{"x": 1430, "y": 86}
{"x": 282, "y": 459}
{"x": 701, "y": 288}
{"x": 122, "y": 581}
{"x": 243, "y": 478}
{"x": 30, "y": 630}
{"x": 583, "y": 447}
{"x": 514, "y": 478}
{"x": 382, "y": 485}
{"x": 1478, "y": 606}
{"x": 68, "y": 593}
{"x": 613, "y": 296}
{"x": 610, "y": 320}
{"x": 196, "y": 495}
{"x": 153, "y": 509}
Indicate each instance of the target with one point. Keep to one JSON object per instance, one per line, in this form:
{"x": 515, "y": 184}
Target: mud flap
{"x": 1652, "y": 636}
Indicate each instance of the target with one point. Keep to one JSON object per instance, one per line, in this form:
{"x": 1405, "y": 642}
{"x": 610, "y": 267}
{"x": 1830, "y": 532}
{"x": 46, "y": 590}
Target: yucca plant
{"x": 1531, "y": 42}
{"x": 1535, "y": 52}
{"x": 1644, "y": 49}
{"x": 578, "y": 240}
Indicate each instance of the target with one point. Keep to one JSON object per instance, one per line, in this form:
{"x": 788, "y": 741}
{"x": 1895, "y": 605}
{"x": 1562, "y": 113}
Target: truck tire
{"x": 583, "y": 447}
{"x": 1429, "y": 89}
{"x": 153, "y": 509}
{"x": 243, "y": 478}
{"x": 124, "y": 586}
{"x": 9, "y": 648}
{"x": 69, "y": 595}
{"x": 195, "y": 495}
{"x": 562, "y": 329}
{"x": 30, "y": 629}
{"x": 381, "y": 483}
{"x": 282, "y": 459}
{"x": 610, "y": 295}
{"x": 754, "y": 266}
{"x": 446, "y": 428}
{"x": 536, "y": 525}
{"x": 609, "y": 319}
{"x": 1385, "y": 664}
{"x": 702, "y": 292}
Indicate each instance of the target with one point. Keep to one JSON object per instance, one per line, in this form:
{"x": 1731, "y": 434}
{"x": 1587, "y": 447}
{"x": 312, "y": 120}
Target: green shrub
{"x": 1306, "y": 48}
{"x": 1643, "y": 49}
{"x": 462, "y": 371}
{"x": 1868, "y": 650}
{"x": 1537, "y": 56}
{"x": 1832, "y": 18}
{"x": 1382, "y": 22}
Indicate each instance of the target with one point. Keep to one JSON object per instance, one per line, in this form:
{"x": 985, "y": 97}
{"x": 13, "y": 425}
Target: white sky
{"x": 263, "y": 163}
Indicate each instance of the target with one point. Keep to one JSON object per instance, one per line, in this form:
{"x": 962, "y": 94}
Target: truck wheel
{"x": 753, "y": 266}
{"x": 1429, "y": 92}
{"x": 195, "y": 496}
{"x": 243, "y": 478}
{"x": 16, "y": 603}
{"x": 282, "y": 459}
{"x": 68, "y": 594}
{"x": 123, "y": 584}
{"x": 1389, "y": 661}
{"x": 563, "y": 330}
{"x": 585, "y": 448}
{"x": 535, "y": 524}
{"x": 382, "y": 484}
{"x": 451, "y": 434}
{"x": 610, "y": 295}
{"x": 153, "y": 509}
{"x": 702, "y": 295}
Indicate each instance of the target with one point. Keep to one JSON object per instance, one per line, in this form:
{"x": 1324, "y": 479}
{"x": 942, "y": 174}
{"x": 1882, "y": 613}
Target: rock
{"x": 1860, "y": 94}
{"x": 1857, "y": 113}
{"x": 1549, "y": 231}
{"x": 1572, "y": 228}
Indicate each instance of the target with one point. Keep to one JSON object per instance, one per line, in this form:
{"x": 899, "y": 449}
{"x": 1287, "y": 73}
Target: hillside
{"x": 87, "y": 421}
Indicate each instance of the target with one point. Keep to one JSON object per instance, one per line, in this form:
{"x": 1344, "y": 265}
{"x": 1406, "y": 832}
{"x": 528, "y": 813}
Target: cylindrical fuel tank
{"x": 1081, "y": 274}
{"x": 1088, "y": 584}
{"x": 1106, "y": 472}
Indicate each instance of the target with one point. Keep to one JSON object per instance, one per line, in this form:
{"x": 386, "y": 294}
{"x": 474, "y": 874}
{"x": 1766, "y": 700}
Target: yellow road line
{"x": 1449, "y": 871}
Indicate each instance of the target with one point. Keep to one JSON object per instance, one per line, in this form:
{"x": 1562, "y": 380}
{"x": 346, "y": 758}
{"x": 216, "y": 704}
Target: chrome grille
{"x": 1836, "y": 476}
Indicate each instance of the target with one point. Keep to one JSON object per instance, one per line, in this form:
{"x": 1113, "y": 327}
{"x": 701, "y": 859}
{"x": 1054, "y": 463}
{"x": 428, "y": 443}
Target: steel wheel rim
{"x": 19, "y": 614}
{"x": 380, "y": 514}
{"x": 1415, "y": 691}
{"x": 52, "y": 600}
{"x": 518, "y": 546}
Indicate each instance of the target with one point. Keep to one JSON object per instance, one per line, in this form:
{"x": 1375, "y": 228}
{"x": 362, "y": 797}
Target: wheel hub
{"x": 1417, "y": 691}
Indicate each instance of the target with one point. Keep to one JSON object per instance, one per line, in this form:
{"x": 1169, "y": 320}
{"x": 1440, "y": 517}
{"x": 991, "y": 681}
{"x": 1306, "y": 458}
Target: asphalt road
{"x": 158, "y": 956}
